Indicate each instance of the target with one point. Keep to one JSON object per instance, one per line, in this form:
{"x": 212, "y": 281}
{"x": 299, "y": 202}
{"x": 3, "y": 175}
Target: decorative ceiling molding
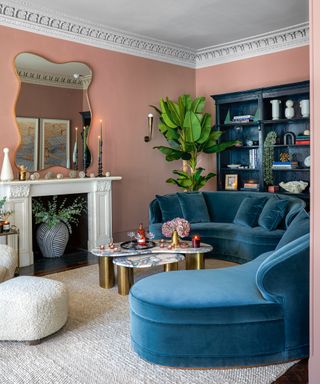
{"x": 280, "y": 40}
{"x": 53, "y": 80}
{"x": 18, "y": 14}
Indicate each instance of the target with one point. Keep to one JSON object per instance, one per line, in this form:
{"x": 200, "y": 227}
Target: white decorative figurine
{"x": 275, "y": 109}
{"x": 305, "y": 108}
{"x": 294, "y": 186}
{"x": 6, "y": 171}
{"x": 289, "y": 111}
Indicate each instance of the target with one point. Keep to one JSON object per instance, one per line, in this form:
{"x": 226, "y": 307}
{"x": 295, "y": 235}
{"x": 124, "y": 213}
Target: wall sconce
{"x": 150, "y": 128}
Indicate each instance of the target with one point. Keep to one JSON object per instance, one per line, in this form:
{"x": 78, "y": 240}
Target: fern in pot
{"x": 55, "y": 224}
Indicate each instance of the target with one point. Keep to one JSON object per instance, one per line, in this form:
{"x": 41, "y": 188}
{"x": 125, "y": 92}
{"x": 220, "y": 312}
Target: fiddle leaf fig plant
{"x": 189, "y": 132}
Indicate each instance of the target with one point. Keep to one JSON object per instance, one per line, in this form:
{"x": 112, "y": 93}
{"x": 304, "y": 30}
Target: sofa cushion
{"x": 272, "y": 214}
{"x": 170, "y": 207}
{"x": 194, "y": 207}
{"x": 249, "y": 211}
{"x": 299, "y": 226}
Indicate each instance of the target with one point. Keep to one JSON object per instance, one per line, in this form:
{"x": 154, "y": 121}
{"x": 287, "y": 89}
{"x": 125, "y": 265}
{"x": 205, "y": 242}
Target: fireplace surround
{"x": 99, "y": 195}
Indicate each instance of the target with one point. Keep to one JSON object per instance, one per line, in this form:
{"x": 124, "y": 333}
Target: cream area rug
{"x": 94, "y": 347}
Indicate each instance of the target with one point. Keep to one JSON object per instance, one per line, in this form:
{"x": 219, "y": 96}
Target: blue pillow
{"x": 249, "y": 211}
{"x": 194, "y": 207}
{"x": 272, "y": 214}
{"x": 169, "y": 206}
{"x": 299, "y": 226}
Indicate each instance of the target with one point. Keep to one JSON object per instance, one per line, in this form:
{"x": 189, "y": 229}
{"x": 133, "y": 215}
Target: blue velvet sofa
{"x": 251, "y": 314}
{"x": 213, "y": 217}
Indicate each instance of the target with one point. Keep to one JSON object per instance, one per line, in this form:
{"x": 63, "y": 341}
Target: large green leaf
{"x": 205, "y": 128}
{"x": 166, "y": 114}
{"x": 220, "y": 147}
{"x": 173, "y": 154}
{"x": 192, "y": 127}
{"x": 213, "y": 138}
{"x": 185, "y": 184}
{"x": 175, "y": 113}
{"x": 186, "y": 101}
{"x": 198, "y": 104}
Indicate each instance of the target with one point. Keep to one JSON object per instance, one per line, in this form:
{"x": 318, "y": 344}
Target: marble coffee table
{"x": 194, "y": 257}
{"x": 126, "y": 265}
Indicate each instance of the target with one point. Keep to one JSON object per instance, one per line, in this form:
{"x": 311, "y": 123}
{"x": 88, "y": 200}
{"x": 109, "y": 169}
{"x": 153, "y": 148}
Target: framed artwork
{"x": 27, "y": 153}
{"x": 54, "y": 143}
{"x": 231, "y": 182}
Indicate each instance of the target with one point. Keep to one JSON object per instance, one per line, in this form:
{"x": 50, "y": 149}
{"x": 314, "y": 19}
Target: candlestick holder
{"x": 100, "y": 168}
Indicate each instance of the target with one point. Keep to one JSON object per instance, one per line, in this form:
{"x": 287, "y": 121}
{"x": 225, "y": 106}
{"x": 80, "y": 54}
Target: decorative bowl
{"x": 294, "y": 186}
{"x": 233, "y": 166}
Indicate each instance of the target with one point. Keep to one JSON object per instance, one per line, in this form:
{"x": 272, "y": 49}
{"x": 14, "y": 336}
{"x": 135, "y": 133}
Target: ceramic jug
{"x": 305, "y": 108}
{"x": 275, "y": 109}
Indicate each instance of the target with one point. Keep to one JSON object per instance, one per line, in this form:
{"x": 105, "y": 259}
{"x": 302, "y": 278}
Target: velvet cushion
{"x": 249, "y": 211}
{"x": 170, "y": 207}
{"x": 272, "y": 214}
{"x": 194, "y": 207}
{"x": 299, "y": 226}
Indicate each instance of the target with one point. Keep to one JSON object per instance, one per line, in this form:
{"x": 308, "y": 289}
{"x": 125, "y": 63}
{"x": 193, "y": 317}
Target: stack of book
{"x": 243, "y": 118}
{"x": 250, "y": 187}
{"x": 303, "y": 140}
{"x": 253, "y": 158}
{"x": 284, "y": 164}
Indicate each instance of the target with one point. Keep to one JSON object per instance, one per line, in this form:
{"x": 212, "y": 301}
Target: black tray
{"x": 134, "y": 245}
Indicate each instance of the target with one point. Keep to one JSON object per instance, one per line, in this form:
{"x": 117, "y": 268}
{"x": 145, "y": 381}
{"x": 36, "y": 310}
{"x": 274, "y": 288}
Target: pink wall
{"x": 122, "y": 88}
{"x": 314, "y": 366}
{"x": 277, "y": 68}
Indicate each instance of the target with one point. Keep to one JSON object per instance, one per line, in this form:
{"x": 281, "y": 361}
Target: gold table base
{"x": 106, "y": 272}
{"x": 195, "y": 261}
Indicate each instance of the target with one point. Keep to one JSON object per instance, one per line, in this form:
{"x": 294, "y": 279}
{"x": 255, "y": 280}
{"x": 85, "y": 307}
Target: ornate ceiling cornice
{"x": 19, "y": 14}
{"x": 53, "y": 80}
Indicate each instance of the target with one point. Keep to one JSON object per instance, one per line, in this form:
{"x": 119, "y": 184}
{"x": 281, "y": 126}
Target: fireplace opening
{"x": 78, "y": 240}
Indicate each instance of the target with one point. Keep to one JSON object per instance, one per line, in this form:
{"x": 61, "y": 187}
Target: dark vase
{"x": 52, "y": 241}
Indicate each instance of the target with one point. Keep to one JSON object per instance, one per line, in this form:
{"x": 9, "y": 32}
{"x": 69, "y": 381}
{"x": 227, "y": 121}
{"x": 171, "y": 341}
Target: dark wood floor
{"x": 298, "y": 374}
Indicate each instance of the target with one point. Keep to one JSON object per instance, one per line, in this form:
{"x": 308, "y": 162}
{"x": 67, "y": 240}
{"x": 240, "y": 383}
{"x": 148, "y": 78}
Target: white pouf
{"x": 32, "y": 308}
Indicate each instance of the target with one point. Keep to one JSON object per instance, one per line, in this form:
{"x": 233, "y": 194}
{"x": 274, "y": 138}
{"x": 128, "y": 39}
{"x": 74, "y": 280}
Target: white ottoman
{"x": 32, "y": 308}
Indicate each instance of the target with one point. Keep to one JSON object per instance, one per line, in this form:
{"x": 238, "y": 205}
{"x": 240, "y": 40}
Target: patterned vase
{"x": 175, "y": 239}
{"x": 52, "y": 241}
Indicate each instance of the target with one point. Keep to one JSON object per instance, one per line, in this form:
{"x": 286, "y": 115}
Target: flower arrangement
{"x": 4, "y": 214}
{"x": 182, "y": 227}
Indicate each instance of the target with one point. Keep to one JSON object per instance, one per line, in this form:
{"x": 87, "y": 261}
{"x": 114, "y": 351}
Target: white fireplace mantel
{"x": 19, "y": 198}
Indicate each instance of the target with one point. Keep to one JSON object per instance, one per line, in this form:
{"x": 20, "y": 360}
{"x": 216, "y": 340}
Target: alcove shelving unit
{"x": 246, "y": 159}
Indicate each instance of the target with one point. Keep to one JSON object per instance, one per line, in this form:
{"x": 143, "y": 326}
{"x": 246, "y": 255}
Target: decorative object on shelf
{"x": 36, "y": 175}
{"x": 249, "y": 143}
{"x": 32, "y": 177}
{"x": 175, "y": 228}
{"x": 231, "y": 182}
{"x": 73, "y": 174}
{"x": 303, "y": 139}
{"x": 253, "y": 158}
{"x": 250, "y": 185}
{"x": 22, "y": 173}
{"x": 294, "y": 186}
{"x": 188, "y": 132}
{"x": 289, "y": 138}
{"x": 307, "y": 161}
{"x": 55, "y": 224}
{"x": 284, "y": 157}
{"x": 196, "y": 241}
{"x": 6, "y": 171}
{"x": 306, "y": 132}
{"x": 289, "y": 111}
{"x": 268, "y": 157}
{"x": 108, "y": 174}
{"x": 150, "y": 128}
{"x": 273, "y": 188}
{"x": 82, "y": 175}
{"x": 75, "y": 151}
{"x": 100, "y": 143}
{"x": 92, "y": 175}
{"x": 50, "y": 175}
{"x": 275, "y": 109}
{"x": 233, "y": 166}
{"x": 60, "y": 176}
{"x": 86, "y": 152}
{"x": 305, "y": 107}
{"x": 227, "y": 120}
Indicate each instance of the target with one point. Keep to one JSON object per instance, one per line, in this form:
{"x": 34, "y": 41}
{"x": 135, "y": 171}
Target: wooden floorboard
{"x": 298, "y": 374}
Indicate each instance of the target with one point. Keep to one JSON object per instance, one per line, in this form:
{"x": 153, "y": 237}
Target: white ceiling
{"x": 195, "y": 24}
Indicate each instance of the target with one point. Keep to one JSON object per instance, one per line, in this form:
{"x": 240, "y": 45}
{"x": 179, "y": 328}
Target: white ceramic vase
{"x": 275, "y": 109}
{"x": 305, "y": 108}
{"x": 6, "y": 171}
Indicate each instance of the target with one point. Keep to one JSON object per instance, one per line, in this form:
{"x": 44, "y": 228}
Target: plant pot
{"x": 52, "y": 241}
{"x": 273, "y": 188}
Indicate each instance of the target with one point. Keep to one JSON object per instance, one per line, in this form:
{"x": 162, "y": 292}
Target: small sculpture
{"x": 294, "y": 186}
{"x": 289, "y": 111}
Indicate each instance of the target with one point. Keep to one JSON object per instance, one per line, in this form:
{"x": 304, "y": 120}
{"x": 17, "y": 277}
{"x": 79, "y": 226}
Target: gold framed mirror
{"x": 52, "y": 113}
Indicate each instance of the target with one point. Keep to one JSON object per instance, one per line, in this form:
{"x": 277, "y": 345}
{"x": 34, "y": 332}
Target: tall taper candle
{"x": 77, "y": 136}
{"x": 101, "y": 129}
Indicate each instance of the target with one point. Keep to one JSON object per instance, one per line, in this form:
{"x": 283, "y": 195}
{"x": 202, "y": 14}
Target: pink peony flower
{"x": 182, "y": 227}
